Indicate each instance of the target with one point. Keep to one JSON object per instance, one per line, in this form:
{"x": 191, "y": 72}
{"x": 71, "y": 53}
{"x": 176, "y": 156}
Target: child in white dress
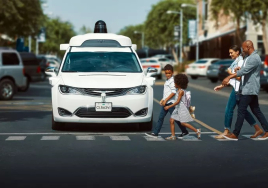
{"x": 181, "y": 113}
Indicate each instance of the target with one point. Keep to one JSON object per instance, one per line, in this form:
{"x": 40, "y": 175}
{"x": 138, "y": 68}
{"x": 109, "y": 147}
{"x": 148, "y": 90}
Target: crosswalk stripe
{"x": 50, "y": 138}
{"x": 85, "y": 137}
{"x": 255, "y": 139}
{"x": 16, "y": 138}
{"x": 154, "y": 139}
{"x": 221, "y": 140}
{"x": 190, "y": 138}
{"x": 126, "y": 138}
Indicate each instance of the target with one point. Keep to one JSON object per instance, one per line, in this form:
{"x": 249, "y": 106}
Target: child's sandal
{"x": 171, "y": 138}
{"x": 198, "y": 133}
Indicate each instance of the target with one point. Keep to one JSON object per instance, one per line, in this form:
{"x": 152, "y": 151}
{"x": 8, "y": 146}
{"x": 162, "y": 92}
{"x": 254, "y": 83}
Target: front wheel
{"x": 194, "y": 77}
{"x": 214, "y": 80}
{"x": 147, "y": 126}
{"x": 7, "y": 89}
{"x": 56, "y": 125}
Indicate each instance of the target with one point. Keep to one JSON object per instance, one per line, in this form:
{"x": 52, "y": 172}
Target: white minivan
{"x": 101, "y": 80}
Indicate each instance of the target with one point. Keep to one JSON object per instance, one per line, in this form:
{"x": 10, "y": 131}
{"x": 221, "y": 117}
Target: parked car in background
{"x": 264, "y": 78}
{"x": 199, "y": 68}
{"x": 32, "y": 68}
{"x": 153, "y": 63}
{"x": 168, "y": 56}
{"x": 53, "y": 63}
{"x": 215, "y": 68}
{"x": 43, "y": 62}
{"x": 12, "y": 76}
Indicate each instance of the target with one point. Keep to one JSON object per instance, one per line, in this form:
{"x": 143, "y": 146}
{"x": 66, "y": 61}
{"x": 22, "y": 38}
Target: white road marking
{"x": 224, "y": 140}
{"x": 15, "y": 138}
{"x": 126, "y": 138}
{"x": 96, "y": 133}
{"x": 50, "y": 138}
{"x": 190, "y": 138}
{"x": 154, "y": 139}
{"x": 85, "y": 137}
{"x": 255, "y": 139}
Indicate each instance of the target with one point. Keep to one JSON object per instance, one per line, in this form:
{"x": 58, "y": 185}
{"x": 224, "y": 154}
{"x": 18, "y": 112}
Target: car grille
{"x": 117, "y": 112}
{"x": 109, "y": 92}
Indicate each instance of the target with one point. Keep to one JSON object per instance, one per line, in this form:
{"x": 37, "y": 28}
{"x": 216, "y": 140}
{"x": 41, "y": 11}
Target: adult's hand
{"x": 226, "y": 81}
{"x": 237, "y": 68}
{"x": 217, "y": 88}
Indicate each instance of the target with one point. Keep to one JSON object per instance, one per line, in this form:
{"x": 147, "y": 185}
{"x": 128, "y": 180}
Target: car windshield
{"x": 201, "y": 61}
{"x": 101, "y": 62}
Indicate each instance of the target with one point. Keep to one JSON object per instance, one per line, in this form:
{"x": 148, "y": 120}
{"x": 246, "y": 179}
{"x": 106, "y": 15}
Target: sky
{"x": 116, "y": 13}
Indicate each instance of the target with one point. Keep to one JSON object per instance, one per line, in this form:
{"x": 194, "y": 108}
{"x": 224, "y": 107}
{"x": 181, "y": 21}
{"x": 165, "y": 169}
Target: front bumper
{"x": 72, "y": 103}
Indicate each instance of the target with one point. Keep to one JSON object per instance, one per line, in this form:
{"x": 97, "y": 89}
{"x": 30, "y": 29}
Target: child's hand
{"x": 166, "y": 107}
{"x": 217, "y": 88}
{"x": 236, "y": 69}
{"x": 164, "y": 103}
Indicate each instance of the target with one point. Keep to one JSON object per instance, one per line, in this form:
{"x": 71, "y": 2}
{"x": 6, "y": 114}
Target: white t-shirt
{"x": 234, "y": 82}
{"x": 169, "y": 87}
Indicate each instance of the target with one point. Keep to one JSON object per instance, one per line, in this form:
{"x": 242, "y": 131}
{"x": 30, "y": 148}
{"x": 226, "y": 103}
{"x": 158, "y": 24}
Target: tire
{"x": 214, "y": 80}
{"x": 159, "y": 76}
{"x": 194, "y": 77}
{"x": 147, "y": 126}
{"x": 43, "y": 76}
{"x": 56, "y": 125}
{"x": 7, "y": 89}
{"x": 23, "y": 89}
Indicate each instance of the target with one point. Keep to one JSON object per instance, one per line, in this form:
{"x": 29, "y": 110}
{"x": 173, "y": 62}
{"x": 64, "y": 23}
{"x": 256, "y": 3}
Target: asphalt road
{"x": 33, "y": 155}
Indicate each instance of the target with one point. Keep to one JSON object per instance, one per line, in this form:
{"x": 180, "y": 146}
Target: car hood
{"x": 102, "y": 80}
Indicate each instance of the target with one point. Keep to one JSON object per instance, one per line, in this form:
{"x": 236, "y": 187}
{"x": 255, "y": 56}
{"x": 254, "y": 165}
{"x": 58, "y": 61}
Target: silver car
{"x": 11, "y": 73}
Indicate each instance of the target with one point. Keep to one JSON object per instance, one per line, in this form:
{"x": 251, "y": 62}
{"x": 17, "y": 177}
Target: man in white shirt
{"x": 168, "y": 99}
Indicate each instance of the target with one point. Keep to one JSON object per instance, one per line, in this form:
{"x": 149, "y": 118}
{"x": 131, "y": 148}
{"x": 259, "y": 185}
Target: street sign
{"x": 42, "y": 35}
{"x": 177, "y": 28}
{"x": 191, "y": 29}
{"x": 176, "y": 33}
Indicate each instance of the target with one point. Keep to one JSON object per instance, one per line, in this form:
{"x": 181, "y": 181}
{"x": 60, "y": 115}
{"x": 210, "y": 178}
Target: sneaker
{"x": 182, "y": 135}
{"x": 151, "y": 135}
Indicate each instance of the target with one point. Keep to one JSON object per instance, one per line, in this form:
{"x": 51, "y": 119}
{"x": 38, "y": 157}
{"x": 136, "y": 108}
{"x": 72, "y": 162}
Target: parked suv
{"x": 11, "y": 73}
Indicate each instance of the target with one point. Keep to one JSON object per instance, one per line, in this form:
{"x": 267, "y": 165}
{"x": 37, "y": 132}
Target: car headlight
{"x": 136, "y": 90}
{"x": 69, "y": 90}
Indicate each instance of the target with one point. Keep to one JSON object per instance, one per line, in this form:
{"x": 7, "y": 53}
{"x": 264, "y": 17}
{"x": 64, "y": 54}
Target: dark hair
{"x": 235, "y": 48}
{"x": 168, "y": 67}
{"x": 181, "y": 80}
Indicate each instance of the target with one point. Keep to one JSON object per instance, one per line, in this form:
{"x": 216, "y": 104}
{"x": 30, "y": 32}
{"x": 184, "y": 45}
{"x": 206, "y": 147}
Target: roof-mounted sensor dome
{"x": 100, "y": 27}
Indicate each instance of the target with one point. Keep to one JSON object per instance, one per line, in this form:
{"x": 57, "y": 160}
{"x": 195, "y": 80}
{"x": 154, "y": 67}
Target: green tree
{"x": 159, "y": 26}
{"x": 85, "y": 30}
{"x": 20, "y": 17}
{"x": 136, "y": 38}
{"x": 57, "y": 32}
{"x": 236, "y": 9}
{"x": 258, "y": 10}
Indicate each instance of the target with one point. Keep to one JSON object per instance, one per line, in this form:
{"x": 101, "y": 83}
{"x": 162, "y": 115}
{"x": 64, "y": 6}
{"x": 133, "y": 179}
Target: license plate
{"x": 103, "y": 106}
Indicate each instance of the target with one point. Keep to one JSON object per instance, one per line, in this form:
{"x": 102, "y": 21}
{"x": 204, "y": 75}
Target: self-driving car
{"x": 101, "y": 80}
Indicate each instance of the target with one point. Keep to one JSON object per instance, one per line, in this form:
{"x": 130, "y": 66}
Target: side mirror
{"x": 51, "y": 71}
{"x": 134, "y": 47}
{"x": 151, "y": 72}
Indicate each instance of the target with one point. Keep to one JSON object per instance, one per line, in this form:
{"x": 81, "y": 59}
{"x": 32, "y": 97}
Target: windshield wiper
{"x": 69, "y": 71}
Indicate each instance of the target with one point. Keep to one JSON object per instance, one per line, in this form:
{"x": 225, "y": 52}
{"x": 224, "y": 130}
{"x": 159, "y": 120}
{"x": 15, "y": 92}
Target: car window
{"x": 163, "y": 59}
{"x": 214, "y": 61}
{"x": 224, "y": 62}
{"x": 148, "y": 61}
{"x": 101, "y": 62}
{"x": 10, "y": 59}
{"x": 201, "y": 61}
